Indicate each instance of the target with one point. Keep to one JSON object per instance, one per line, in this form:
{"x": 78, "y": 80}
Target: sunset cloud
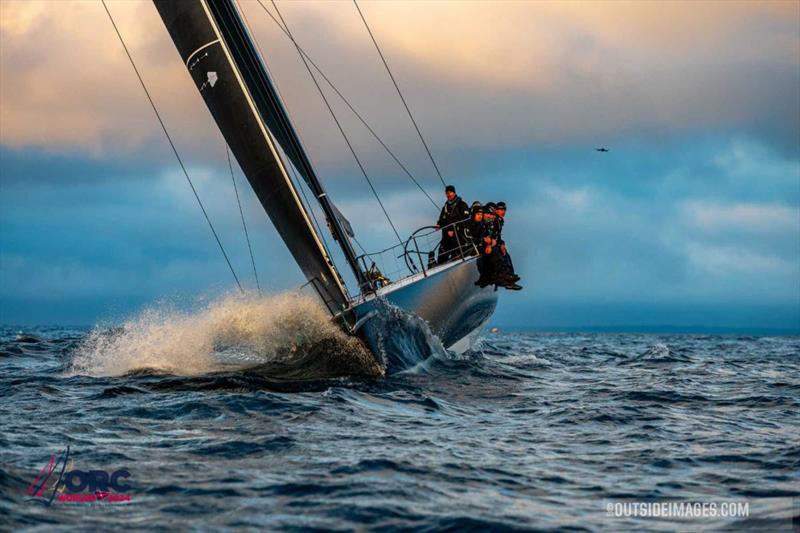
{"x": 68, "y": 87}
{"x": 478, "y": 74}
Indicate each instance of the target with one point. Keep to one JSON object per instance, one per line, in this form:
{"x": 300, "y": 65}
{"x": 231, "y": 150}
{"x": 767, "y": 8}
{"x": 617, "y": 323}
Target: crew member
{"x": 488, "y": 265}
{"x": 508, "y": 266}
{"x": 492, "y": 271}
{"x": 474, "y": 227}
{"x": 455, "y": 210}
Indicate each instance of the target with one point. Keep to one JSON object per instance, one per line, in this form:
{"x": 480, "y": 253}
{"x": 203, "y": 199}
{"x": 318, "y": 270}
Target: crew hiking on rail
{"x": 452, "y": 219}
{"x": 467, "y": 230}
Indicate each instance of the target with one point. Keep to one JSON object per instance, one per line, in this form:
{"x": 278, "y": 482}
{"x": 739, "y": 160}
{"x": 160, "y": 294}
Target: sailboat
{"x": 218, "y": 50}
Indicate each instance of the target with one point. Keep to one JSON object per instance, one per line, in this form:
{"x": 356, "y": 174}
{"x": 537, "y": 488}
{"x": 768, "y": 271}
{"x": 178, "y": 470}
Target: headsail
{"x": 346, "y": 226}
{"x": 222, "y": 61}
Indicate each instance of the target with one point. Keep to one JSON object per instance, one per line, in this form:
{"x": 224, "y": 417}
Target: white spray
{"x": 235, "y": 331}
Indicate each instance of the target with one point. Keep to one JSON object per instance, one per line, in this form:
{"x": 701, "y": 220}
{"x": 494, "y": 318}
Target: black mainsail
{"x": 219, "y": 53}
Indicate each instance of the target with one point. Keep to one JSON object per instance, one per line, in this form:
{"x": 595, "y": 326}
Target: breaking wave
{"x": 288, "y": 336}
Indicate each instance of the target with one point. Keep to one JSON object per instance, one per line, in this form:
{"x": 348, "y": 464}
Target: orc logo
{"x": 76, "y": 485}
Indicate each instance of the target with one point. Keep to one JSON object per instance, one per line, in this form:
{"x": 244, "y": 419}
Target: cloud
{"x": 68, "y": 87}
{"x": 584, "y": 233}
{"x": 130, "y": 240}
{"x": 575, "y": 199}
{"x": 586, "y": 236}
{"x": 694, "y": 208}
{"x": 479, "y": 75}
{"x": 492, "y": 75}
{"x": 722, "y": 260}
{"x": 743, "y": 217}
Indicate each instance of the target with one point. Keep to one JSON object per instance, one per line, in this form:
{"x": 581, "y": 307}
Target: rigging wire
{"x": 363, "y": 251}
{"x": 350, "y": 106}
{"x": 399, "y": 92}
{"x": 288, "y": 162}
{"x": 241, "y": 213}
{"x": 172, "y": 144}
{"x": 338, "y": 125}
{"x": 313, "y": 214}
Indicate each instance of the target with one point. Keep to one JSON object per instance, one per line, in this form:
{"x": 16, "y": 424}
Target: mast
{"x": 233, "y": 26}
{"x": 219, "y": 54}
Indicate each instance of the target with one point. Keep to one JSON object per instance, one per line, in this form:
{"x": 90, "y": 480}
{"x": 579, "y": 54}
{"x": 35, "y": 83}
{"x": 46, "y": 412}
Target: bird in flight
{"x": 602, "y": 149}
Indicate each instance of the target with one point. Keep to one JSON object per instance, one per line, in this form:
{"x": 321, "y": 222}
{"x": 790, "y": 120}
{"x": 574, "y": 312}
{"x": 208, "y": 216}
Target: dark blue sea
{"x": 225, "y": 425}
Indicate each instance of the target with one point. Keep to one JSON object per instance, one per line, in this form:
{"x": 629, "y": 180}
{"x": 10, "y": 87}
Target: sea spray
{"x": 288, "y": 333}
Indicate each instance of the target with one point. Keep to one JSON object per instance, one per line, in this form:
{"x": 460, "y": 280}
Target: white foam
{"x": 234, "y": 330}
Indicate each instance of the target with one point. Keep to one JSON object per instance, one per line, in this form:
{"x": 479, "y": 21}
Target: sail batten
{"x": 240, "y": 98}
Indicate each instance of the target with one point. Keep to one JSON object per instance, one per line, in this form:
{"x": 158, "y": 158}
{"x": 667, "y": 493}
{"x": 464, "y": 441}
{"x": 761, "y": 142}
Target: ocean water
{"x": 256, "y": 414}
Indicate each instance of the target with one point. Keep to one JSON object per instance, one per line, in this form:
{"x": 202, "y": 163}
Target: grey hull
{"x": 446, "y": 298}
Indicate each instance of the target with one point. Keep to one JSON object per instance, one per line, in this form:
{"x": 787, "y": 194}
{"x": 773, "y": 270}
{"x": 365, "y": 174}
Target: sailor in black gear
{"x": 474, "y": 227}
{"x": 493, "y": 270}
{"x": 474, "y": 234}
{"x": 508, "y": 266}
{"x": 489, "y": 261}
{"x": 500, "y": 211}
{"x": 453, "y": 235}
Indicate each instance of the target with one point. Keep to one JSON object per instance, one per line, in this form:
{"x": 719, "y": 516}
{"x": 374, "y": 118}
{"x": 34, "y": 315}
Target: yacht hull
{"x": 445, "y": 297}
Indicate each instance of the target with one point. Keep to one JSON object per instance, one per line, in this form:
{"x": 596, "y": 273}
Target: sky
{"x": 691, "y": 220}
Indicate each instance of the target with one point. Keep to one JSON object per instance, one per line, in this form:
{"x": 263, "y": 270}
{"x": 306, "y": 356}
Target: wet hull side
{"x": 447, "y": 299}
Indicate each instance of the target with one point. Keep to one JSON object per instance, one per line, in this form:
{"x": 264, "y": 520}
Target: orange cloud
{"x": 479, "y": 74}
{"x": 67, "y": 85}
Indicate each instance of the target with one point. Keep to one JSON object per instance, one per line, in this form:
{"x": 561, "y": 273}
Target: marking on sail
{"x": 196, "y": 61}
{"x": 212, "y": 80}
{"x": 196, "y": 51}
